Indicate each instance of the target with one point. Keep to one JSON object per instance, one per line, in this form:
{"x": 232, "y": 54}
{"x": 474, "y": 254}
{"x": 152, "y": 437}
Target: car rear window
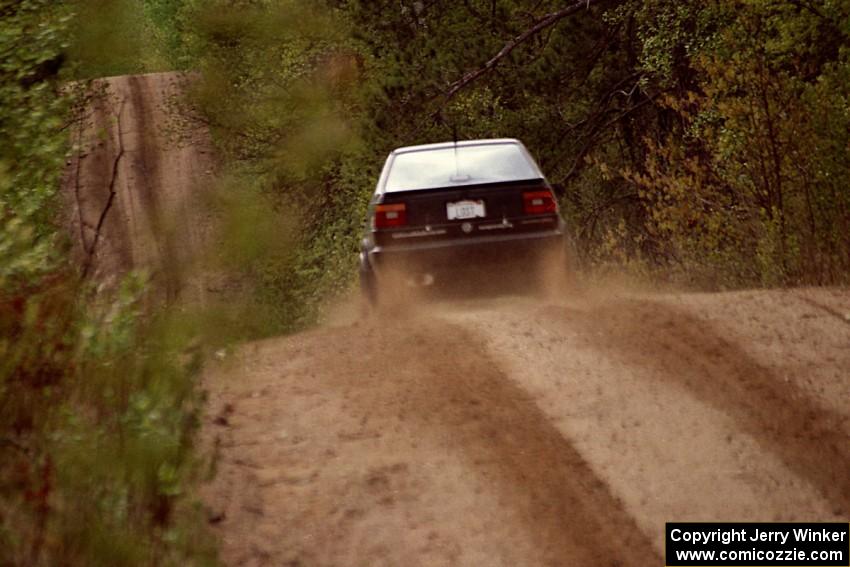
{"x": 463, "y": 165}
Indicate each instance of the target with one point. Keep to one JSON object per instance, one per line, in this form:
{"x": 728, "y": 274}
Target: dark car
{"x": 440, "y": 209}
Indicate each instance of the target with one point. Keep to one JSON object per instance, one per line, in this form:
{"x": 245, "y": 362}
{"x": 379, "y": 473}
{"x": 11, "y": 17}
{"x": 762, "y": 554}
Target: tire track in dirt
{"x": 563, "y": 496}
{"x": 506, "y": 432}
{"x": 92, "y": 174}
{"x": 809, "y": 438}
{"x": 424, "y": 384}
{"x": 135, "y": 181}
{"x": 663, "y": 451}
{"x": 843, "y": 317}
{"x": 144, "y": 173}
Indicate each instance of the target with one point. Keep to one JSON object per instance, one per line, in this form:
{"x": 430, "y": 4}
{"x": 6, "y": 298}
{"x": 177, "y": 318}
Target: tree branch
{"x": 596, "y": 130}
{"x": 543, "y": 23}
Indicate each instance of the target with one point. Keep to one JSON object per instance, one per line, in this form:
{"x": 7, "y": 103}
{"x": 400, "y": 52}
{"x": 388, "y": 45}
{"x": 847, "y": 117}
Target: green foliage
{"x": 652, "y": 112}
{"x": 746, "y": 190}
{"x": 32, "y": 143}
{"x": 121, "y": 37}
{"x": 305, "y": 99}
{"x": 98, "y": 405}
{"x": 278, "y": 88}
{"x": 98, "y": 424}
{"x": 700, "y": 141}
{"x": 704, "y": 140}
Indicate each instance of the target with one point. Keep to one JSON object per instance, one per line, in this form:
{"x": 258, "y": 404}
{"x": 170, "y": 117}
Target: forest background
{"x": 703, "y": 144}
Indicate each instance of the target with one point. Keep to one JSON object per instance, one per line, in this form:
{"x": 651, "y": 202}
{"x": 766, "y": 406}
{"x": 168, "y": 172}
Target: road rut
{"x": 510, "y": 431}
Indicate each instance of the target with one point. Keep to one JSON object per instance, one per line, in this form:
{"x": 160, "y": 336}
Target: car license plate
{"x": 465, "y": 210}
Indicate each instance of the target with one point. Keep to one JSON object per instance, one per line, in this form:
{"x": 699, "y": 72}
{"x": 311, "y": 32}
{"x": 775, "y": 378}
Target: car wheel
{"x": 368, "y": 287}
{"x": 558, "y": 270}
{"x": 572, "y": 261}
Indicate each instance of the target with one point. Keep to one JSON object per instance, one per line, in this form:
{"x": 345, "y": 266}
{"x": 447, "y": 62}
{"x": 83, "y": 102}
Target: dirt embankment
{"x": 134, "y": 185}
{"x": 514, "y": 432}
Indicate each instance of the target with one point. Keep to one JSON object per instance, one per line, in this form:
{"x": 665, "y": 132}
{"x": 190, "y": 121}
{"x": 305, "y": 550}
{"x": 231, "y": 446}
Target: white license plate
{"x": 465, "y": 210}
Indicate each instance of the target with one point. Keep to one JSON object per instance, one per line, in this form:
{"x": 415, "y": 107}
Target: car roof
{"x": 460, "y": 143}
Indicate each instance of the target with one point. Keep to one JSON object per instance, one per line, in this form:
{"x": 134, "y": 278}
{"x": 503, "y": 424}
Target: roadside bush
{"x": 702, "y": 143}
{"x": 750, "y": 189}
{"x": 98, "y": 404}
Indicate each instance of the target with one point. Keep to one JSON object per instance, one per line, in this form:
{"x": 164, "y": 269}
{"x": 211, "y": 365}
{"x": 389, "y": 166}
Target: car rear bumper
{"x": 462, "y": 253}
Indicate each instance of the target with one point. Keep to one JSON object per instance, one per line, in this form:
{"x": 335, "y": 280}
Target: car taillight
{"x": 539, "y": 202}
{"x": 388, "y": 216}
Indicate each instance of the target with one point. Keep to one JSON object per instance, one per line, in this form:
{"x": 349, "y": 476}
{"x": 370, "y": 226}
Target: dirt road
{"x": 518, "y": 432}
{"x": 135, "y": 182}
{"x": 500, "y": 431}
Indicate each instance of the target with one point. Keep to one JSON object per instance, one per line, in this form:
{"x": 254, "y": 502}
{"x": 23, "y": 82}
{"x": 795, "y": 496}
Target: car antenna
{"x": 457, "y": 163}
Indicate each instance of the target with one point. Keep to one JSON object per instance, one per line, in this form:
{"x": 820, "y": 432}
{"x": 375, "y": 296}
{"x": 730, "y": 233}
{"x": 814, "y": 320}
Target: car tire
{"x": 368, "y": 287}
{"x": 559, "y": 270}
{"x": 572, "y": 261}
